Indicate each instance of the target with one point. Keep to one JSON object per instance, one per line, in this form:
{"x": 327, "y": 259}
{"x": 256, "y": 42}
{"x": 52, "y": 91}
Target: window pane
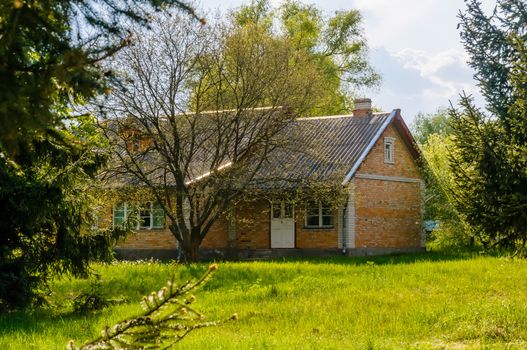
{"x": 277, "y": 211}
{"x": 312, "y": 214}
{"x": 312, "y": 220}
{"x": 327, "y": 220}
{"x": 158, "y": 216}
{"x": 327, "y": 211}
{"x": 119, "y": 214}
{"x": 312, "y": 211}
{"x": 288, "y": 210}
{"x": 145, "y": 216}
{"x": 388, "y": 150}
{"x": 145, "y": 222}
{"x": 159, "y": 220}
{"x": 118, "y": 220}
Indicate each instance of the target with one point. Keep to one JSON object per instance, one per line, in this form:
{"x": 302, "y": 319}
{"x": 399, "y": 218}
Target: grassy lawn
{"x": 427, "y": 301}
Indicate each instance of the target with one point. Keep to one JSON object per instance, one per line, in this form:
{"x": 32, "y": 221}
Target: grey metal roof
{"x": 314, "y": 149}
{"x": 323, "y": 148}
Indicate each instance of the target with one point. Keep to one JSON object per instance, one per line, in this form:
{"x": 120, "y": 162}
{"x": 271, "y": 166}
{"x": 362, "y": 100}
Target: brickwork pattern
{"x": 316, "y": 237}
{"x": 252, "y": 227}
{"x": 404, "y": 165}
{"x": 387, "y": 213}
{"x": 150, "y": 239}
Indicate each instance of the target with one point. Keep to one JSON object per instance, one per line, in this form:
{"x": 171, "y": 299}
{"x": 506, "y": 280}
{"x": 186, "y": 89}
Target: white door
{"x": 282, "y": 225}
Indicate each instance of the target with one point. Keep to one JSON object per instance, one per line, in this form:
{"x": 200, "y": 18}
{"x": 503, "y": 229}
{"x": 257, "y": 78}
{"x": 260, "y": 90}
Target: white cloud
{"x": 417, "y": 81}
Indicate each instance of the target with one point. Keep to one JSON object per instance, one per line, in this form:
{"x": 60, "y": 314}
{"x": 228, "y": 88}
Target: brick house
{"x": 372, "y": 156}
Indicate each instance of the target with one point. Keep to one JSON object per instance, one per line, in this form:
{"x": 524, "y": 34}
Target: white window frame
{"x": 389, "y": 150}
{"x": 127, "y": 207}
{"x": 320, "y": 216}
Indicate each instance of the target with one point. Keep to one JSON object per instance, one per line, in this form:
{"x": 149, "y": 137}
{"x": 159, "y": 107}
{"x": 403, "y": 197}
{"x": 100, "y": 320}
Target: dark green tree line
{"x": 489, "y": 160}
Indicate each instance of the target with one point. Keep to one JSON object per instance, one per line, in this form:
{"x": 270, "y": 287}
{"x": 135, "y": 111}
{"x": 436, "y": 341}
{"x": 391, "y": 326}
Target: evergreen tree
{"x": 50, "y": 53}
{"x": 489, "y": 160}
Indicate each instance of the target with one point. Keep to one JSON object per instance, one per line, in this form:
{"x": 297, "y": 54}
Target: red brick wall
{"x": 388, "y": 212}
{"x": 217, "y": 235}
{"x": 252, "y": 227}
{"x": 404, "y": 165}
{"x": 316, "y": 238}
{"x": 150, "y": 239}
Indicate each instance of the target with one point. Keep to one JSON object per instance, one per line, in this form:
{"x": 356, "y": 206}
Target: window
{"x": 149, "y": 215}
{"x": 319, "y": 215}
{"x": 389, "y": 145}
{"x": 120, "y": 213}
{"x": 282, "y": 210}
{"x": 145, "y": 216}
{"x": 158, "y": 216}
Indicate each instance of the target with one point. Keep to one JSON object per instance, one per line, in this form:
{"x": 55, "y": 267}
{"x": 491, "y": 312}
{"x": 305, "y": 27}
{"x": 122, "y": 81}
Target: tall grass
{"x": 410, "y": 301}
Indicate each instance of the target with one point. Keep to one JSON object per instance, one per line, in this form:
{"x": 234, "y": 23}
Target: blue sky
{"x": 415, "y": 46}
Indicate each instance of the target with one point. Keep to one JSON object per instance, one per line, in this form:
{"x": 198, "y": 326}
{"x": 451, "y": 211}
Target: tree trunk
{"x": 190, "y": 247}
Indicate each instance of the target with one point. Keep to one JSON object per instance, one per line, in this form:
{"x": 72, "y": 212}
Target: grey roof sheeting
{"x": 324, "y": 148}
{"x": 310, "y": 150}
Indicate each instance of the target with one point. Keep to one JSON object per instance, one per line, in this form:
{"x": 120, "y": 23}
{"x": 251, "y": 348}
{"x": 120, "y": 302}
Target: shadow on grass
{"x": 38, "y": 320}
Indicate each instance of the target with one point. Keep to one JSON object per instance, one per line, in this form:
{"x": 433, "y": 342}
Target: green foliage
{"x": 432, "y": 132}
{"x": 425, "y": 125}
{"x": 168, "y": 317}
{"x": 91, "y": 300}
{"x": 452, "y": 232}
{"x": 47, "y": 197}
{"x": 334, "y": 46}
{"x": 208, "y": 84}
{"x": 49, "y": 57}
{"x": 50, "y": 54}
{"x": 490, "y": 154}
{"x": 410, "y": 301}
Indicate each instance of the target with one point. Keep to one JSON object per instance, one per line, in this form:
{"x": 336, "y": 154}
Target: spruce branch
{"x": 168, "y": 317}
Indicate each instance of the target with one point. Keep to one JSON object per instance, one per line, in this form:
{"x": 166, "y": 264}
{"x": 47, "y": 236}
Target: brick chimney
{"x": 362, "y": 107}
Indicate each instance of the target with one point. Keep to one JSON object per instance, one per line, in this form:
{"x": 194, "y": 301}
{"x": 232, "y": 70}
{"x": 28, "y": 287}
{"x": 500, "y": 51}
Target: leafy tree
{"x": 433, "y": 133}
{"x": 453, "y": 231}
{"x": 49, "y": 58}
{"x": 425, "y": 125}
{"x": 489, "y": 160}
{"x": 335, "y": 45}
{"x": 50, "y": 54}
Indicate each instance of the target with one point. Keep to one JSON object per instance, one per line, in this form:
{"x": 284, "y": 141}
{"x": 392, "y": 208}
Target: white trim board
{"x": 387, "y": 178}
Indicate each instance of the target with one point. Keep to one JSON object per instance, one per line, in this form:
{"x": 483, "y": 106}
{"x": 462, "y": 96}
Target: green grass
{"x": 428, "y": 301}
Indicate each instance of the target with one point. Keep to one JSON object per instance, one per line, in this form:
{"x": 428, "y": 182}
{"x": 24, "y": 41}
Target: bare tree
{"x": 197, "y": 113}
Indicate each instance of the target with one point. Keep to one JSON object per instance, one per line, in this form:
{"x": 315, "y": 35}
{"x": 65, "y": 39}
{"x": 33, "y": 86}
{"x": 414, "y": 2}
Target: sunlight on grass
{"x": 409, "y": 301}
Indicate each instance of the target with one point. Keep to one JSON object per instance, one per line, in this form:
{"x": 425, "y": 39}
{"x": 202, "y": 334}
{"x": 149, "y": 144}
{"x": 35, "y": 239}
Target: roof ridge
{"x": 339, "y": 116}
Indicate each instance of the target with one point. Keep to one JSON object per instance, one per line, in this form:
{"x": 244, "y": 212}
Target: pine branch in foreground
{"x": 167, "y": 318}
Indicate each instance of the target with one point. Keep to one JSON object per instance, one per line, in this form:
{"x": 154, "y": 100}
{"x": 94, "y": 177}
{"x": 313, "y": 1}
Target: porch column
{"x": 349, "y": 229}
